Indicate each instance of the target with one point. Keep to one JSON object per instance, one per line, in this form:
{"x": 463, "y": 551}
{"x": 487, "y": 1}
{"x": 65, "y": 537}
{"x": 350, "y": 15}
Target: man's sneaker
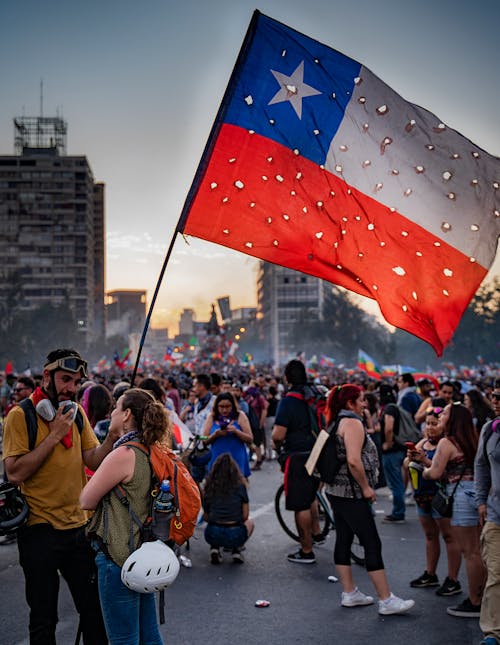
{"x": 425, "y": 580}
{"x": 318, "y": 539}
{"x": 394, "y": 605}
{"x": 215, "y": 556}
{"x": 301, "y": 557}
{"x": 390, "y": 519}
{"x": 238, "y": 556}
{"x": 355, "y": 598}
{"x": 449, "y": 587}
{"x": 489, "y": 640}
{"x": 465, "y": 610}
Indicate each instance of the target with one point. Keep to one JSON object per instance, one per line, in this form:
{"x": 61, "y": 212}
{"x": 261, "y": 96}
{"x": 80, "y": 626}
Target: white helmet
{"x": 152, "y": 567}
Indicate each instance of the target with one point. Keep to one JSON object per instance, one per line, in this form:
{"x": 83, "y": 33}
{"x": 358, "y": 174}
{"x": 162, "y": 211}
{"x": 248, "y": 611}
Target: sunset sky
{"x": 139, "y": 84}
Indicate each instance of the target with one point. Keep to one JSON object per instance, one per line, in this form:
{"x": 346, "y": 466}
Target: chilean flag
{"x": 314, "y": 163}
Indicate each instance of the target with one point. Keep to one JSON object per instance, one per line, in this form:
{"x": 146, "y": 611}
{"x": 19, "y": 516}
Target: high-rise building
{"x": 282, "y": 296}
{"x": 187, "y": 322}
{"x": 52, "y": 225}
{"x": 125, "y": 312}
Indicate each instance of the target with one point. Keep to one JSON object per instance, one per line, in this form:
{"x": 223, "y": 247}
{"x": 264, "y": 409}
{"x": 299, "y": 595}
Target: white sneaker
{"x": 355, "y": 598}
{"x": 394, "y": 605}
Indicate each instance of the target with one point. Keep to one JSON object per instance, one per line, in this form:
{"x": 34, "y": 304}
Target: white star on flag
{"x": 293, "y": 89}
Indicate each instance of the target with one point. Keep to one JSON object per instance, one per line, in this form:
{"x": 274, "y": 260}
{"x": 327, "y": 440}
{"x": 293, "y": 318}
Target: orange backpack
{"x": 165, "y": 464}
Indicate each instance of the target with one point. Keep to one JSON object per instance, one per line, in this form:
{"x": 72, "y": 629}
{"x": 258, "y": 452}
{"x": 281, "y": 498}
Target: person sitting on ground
{"x": 431, "y": 521}
{"x": 226, "y": 509}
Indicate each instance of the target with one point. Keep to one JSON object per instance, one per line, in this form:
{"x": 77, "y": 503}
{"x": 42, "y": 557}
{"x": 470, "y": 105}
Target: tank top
{"x": 345, "y": 485}
{"x": 455, "y": 468}
{"x": 114, "y": 541}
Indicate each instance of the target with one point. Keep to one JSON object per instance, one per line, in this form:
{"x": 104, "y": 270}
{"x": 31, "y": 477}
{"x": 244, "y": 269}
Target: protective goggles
{"x": 70, "y": 364}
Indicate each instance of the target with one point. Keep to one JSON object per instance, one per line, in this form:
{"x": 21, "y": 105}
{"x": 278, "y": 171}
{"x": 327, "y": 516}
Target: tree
{"x": 344, "y": 329}
{"x": 476, "y": 335}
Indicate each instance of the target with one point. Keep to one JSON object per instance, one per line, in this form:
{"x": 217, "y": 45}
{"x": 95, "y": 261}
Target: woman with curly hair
{"x": 226, "y": 509}
{"x": 129, "y": 617}
{"x": 454, "y": 459}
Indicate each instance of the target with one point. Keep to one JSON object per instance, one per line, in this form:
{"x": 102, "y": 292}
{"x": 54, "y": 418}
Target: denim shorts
{"x": 424, "y": 509}
{"x": 230, "y": 537}
{"x": 464, "y": 504}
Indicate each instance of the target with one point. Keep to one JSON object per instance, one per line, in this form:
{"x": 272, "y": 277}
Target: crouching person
{"x": 226, "y": 509}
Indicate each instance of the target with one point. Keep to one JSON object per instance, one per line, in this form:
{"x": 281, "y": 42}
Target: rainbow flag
{"x": 369, "y": 365}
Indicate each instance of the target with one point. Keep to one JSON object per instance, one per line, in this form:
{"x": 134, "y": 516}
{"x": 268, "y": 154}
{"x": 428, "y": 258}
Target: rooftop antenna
{"x": 41, "y": 97}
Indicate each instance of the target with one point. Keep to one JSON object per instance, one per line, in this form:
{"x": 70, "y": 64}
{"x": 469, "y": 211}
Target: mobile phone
{"x": 410, "y": 445}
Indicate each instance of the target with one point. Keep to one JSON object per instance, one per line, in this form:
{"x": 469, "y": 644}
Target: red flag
{"x": 315, "y": 164}
{"x": 9, "y": 368}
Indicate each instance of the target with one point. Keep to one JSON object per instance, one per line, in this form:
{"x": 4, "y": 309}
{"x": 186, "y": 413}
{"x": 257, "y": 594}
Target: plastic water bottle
{"x": 163, "y": 511}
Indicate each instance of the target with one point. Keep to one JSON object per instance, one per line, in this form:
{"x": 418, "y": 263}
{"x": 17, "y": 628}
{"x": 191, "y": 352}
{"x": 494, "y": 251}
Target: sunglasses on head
{"x": 435, "y": 411}
{"x": 69, "y": 364}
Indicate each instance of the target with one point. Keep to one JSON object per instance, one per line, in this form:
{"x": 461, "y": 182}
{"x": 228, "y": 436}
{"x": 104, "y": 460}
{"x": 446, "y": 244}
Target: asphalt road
{"x": 209, "y": 604}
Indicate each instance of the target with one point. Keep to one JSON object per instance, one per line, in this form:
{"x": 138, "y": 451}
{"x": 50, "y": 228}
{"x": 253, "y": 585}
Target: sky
{"x": 140, "y": 83}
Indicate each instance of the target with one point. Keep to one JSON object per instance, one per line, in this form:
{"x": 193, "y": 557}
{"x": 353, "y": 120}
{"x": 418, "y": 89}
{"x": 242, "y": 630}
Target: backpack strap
{"x": 119, "y": 491}
{"x": 31, "y": 422}
{"x": 315, "y": 425}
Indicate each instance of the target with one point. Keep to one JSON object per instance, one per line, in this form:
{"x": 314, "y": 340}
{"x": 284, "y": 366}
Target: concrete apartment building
{"x": 52, "y": 225}
{"x": 282, "y": 294}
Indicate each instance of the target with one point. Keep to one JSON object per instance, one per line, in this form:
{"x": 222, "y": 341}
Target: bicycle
{"x": 326, "y": 522}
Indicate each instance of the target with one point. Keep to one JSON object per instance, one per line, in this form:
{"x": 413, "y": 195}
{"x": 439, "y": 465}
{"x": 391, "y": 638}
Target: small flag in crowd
{"x": 369, "y": 365}
{"x": 314, "y": 163}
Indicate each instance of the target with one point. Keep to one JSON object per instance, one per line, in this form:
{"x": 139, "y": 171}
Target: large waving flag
{"x": 369, "y": 365}
{"x": 315, "y": 164}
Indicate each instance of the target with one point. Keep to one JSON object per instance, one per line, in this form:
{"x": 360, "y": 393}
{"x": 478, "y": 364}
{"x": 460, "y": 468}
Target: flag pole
{"x": 153, "y": 302}
{"x": 202, "y": 168}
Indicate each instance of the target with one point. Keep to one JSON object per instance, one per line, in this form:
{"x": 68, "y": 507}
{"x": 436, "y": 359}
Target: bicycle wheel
{"x": 287, "y": 518}
{"x": 357, "y": 552}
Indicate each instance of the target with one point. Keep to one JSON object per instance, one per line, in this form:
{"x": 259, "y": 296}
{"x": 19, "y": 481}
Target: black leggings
{"x": 354, "y": 517}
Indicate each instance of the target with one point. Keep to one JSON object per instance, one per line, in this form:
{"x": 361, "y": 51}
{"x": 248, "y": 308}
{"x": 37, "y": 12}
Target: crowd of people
{"x": 238, "y": 421}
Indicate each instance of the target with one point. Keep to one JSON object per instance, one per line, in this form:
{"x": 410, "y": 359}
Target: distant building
{"x": 187, "y": 322}
{"x": 52, "y": 225}
{"x": 156, "y": 342}
{"x": 282, "y": 295}
{"x": 125, "y": 312}
{"x": 244, "y": 315}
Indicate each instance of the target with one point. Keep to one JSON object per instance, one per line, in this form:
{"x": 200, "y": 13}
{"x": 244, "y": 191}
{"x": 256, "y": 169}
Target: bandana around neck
{"x": 37, "y": 396}
{"x": 133, "y": 435}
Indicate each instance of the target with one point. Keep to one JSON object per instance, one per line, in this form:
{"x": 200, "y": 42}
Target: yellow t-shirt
{"x": 53, "y": 491}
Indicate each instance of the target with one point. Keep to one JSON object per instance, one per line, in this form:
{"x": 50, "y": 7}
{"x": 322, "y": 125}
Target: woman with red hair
{"x": 351, "y": 495}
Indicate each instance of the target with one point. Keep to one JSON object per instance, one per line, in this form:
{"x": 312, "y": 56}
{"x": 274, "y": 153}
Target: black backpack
{"x": 329, "y": 464}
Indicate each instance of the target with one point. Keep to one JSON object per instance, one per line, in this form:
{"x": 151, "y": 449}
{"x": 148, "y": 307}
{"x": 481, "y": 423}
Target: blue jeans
{"x": 393, "y": 462}
{"x": 129, "y": 617}
{"x": 230, "y": 537}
